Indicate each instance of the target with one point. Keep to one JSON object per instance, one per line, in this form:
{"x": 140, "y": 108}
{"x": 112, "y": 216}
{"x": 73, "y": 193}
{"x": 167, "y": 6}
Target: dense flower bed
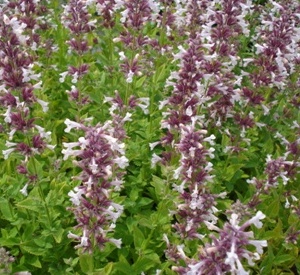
{"x": 149, "y": 137}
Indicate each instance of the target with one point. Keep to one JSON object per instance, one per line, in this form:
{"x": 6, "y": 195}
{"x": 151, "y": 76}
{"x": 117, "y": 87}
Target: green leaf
{"x": 159, "y": 186}
{"x": 6, "y": 209}
{"x": 58, "y": 234}
{"x": 286, "y": 258}
{"x": 230, "y": 171}
{"x": 144, "y": 201}
{"x": 146, "y": 223}
{"x": 32, "y": 204}
{"x": 106, "y": 270}
{"x": 138, "y": 237}
{"x": 123, "y": 266}
{"x": 267, "y": 264}
{"x": 140, "y": 82}
{"x": 33, "y": 260}
{"x": 143, "y": 264}
{"x": 273, "y": 209}
{"x": 160, "y": 74}
{"x": 86, "y": 262}
{"x": 33, "y": 249}
{"x": 9, "y": 241}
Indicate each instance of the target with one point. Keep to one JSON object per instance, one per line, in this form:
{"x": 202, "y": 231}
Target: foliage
{"x": 149, "y": 137}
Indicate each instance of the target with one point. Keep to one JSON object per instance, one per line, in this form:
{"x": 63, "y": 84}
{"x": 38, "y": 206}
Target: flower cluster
{"x": 31, "y": 16}
{"x": 279, "y": 170}
{"x": 18, "y": 90}
{"x": 100, "y": 156}
{"x": 77, "y": 19}
{"x": 227, "y": 252}
{"x": 276, "y": 43}
{"x": 5, "y": 261}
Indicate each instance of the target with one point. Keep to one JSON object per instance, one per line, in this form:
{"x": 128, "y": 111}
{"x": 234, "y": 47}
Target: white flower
{"x": 210, "y": 139}
{"x": 10, "y": 144}
{"x": 124, "y": 15}
{"x": 24, "y": 190}
{"x": 43, "y": 134}
{"x": 44, "y": 105}
{"x": 155, "y": 158}
{"x": 122, "y": 162}
{"x": 75, "y": 196}
{"x": 194, "y": 268}
{"x": 114, "y": 145}
{"x": 92, "y": 23}
{"x": 117, "y": 183}
{"x": 129, "y": 78}
{"x": 189, "y": 111}
{"x": 122, "y": 56}
{"x": 69, "y": 151}
{"x": 37, "y": 85}
{"x": 84, "y": 239}
{"x": 234, "y": 220}
{"x": 166, "y": 239}
{"x": 180, "y": 251}
{"x": 63, "y": 76}
{"x": 294, "y": 198}
{"x": 7, "y": 152}
{"x": 177, "y": 172}
{"x": 6, "y": 115}
{"x": 83, "y": 142}
{"x": 93, "y": 166}
{"x": 71, "y": 124}
{"x": 116, "y": 242}
{"x": 107, "y": 99}
{"x": 72, "y": 236}
{"x": 259, "y": 245}
{"x": 234, "y": 262}
{"x": 111, "y": 211}
{"x": 211, "y": 226}
{"x": 74, "y": 78}
{"x": 127, "y": 117}
{"x": 256, "y": 219}
{"x": 163, "y": 103}
{"x": 145, "y": 101}
{"x": 152, "y": 145}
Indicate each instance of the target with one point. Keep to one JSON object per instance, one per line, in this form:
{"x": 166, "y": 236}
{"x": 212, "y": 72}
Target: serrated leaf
{"x": 33, "y": 249}
{"x": 9, "y": 241}
{"x": 6, "y": 209}
{"x": 34, "y": 261}
{"x": 58, "y": 234}
{"x": 32, "y": 204}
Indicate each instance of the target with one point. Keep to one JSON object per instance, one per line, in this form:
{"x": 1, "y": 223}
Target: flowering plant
{"x": 149, "y": 137}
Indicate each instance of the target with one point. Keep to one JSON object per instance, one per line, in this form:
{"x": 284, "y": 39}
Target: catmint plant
{"x": 100, "y": 154}
{"x": 228, "y": 250}
{"x": 18, "y": 97}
